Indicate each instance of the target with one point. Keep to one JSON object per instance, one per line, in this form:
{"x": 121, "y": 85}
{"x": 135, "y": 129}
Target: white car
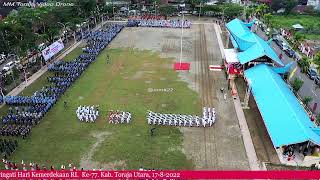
{"x": 2, "y": 60}
{"x": 8, "y": 66}
{"x": 284, "y": 46}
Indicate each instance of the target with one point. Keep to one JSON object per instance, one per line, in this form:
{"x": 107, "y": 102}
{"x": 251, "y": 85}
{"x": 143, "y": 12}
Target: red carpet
{"x": 181, "y": 66}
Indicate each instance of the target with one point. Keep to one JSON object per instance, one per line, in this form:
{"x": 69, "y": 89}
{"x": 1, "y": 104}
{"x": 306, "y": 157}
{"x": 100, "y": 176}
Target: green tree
{"x": 298, "y": 38}
{"x": 166, "y": 10}
{"x": 318, "y": 119}
{"x": 296, "y": 84}
{"x": 289, "y": 5}
{"x": 276, "y": 5}
{"x": 231, "y": 10}
{"x": 195, "y": 3}
{"x": 261, "y": 10}
{"x": 306, "y": 100}
{"x": 304, "y": 64}
{"x": 267, "y": 17}
{"x": 316, "y": 60}
{"x": 211, "y": 8}
{"x": 249, "y": 12}
{"x": 21, "y": 30}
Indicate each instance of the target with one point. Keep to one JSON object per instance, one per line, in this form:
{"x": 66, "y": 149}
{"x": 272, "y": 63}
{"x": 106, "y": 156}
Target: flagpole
{"x": 181, "y": 38}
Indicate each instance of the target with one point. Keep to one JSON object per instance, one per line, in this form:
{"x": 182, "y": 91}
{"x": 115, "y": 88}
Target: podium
{"x": 183, "y": 66}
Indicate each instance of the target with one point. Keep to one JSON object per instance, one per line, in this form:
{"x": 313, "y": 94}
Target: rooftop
{"x": 250, "y": 45}
{"x": 285, "y": 119}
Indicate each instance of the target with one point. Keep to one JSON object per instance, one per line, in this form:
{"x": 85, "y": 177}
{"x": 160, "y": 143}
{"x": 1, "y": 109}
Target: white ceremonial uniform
{"x": 190, "y": 123}
{"x": 204, "y": 122}
{"x": 129, "y": 118}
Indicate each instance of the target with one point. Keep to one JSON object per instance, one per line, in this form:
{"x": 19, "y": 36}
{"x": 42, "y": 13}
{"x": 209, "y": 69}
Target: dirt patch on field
{"x": 86, "y": 161}
{"x": 141, "y": 74}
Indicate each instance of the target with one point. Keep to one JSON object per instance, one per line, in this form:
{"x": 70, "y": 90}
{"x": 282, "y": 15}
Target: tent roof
{"x": 231, "y": 55}
{"x": 297, "y": 26}
{"x": 285, "y": 119}
{"x": 251, "y": 45}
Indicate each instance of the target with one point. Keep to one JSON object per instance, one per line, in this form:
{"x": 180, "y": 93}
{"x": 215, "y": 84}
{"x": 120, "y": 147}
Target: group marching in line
{"x": 116, "y": 117}
{"x": 159, "y": 23}
{"x": 87, "y": 113}
{"x": 26, "y": 112}
{"x": 182, "y": 120}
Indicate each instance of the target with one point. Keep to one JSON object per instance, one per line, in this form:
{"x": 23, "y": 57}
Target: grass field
{"x": 286, "y": 21}
{"x": 123, "y": 84}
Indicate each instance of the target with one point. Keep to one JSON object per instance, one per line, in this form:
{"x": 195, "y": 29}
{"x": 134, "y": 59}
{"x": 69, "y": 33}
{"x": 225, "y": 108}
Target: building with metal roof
{"x": 250, "y": 45}
{"x": 286, "y": 120}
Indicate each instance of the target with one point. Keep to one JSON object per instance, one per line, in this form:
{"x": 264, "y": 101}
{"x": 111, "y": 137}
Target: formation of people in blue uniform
{"x": 158, "y": 23}
{"x": 27, "y": 111}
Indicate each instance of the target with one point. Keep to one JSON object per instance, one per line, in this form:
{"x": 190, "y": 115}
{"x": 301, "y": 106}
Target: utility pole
{"x": 114, "y": 17}
{"x": 200, "y": 10}
{"x": 25, "y": 75}
{"x": 1, "y": 86}
{"x": 247, "y": 97}
{"x": 74, "y": 36}
{"x": 155, "y": 7}
{"x": 181, "y": 37}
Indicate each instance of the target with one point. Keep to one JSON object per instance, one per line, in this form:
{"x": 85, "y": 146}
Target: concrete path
{"x": 247, "y": 140}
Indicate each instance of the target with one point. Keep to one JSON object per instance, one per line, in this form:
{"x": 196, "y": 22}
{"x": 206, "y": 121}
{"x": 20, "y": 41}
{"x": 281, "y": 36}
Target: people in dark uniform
{"x": 27, "y": 111}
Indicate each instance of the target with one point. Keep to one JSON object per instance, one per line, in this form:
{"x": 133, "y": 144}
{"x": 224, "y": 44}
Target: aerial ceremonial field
{"x": 61, "y": 138}
{"x": 138, "y": 78}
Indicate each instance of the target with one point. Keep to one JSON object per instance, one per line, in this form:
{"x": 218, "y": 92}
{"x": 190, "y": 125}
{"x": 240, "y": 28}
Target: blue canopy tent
{"x": 285, "y": 119}
{"x": 250, "y": 45}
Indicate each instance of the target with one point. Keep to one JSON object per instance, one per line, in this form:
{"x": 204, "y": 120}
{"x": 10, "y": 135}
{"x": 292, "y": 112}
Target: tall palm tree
{"x": 304, "y": 64}
{"x": 267, "y": 17}
{"x": 249, "y": 12}
{"x": 298, "y": 38}
{"x": 261, "y": 10}
{"x": 316, "y": 60}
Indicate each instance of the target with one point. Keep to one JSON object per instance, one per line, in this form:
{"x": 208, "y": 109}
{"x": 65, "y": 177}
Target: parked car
{"x": 317, "y": 80}
{"x": 8, "y": 66}
{"x": 2, "y": 60}
{"x": 312, "y": 73}
{"x": 284, "y": 46}
{"x": 277, "y": 41}
{"x": 290, "y": 52}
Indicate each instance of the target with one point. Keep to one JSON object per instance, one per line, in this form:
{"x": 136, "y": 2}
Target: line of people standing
{"x": 27, "y": 111}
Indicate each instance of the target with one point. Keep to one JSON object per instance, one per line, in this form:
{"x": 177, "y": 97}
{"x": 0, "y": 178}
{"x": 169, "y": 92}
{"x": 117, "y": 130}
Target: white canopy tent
{"x": 297, "y": 26}
{"x": 231, "y": 56}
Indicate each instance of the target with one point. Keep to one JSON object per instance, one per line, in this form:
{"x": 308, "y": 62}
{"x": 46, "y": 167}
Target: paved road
{"x": 308, "y": 88}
